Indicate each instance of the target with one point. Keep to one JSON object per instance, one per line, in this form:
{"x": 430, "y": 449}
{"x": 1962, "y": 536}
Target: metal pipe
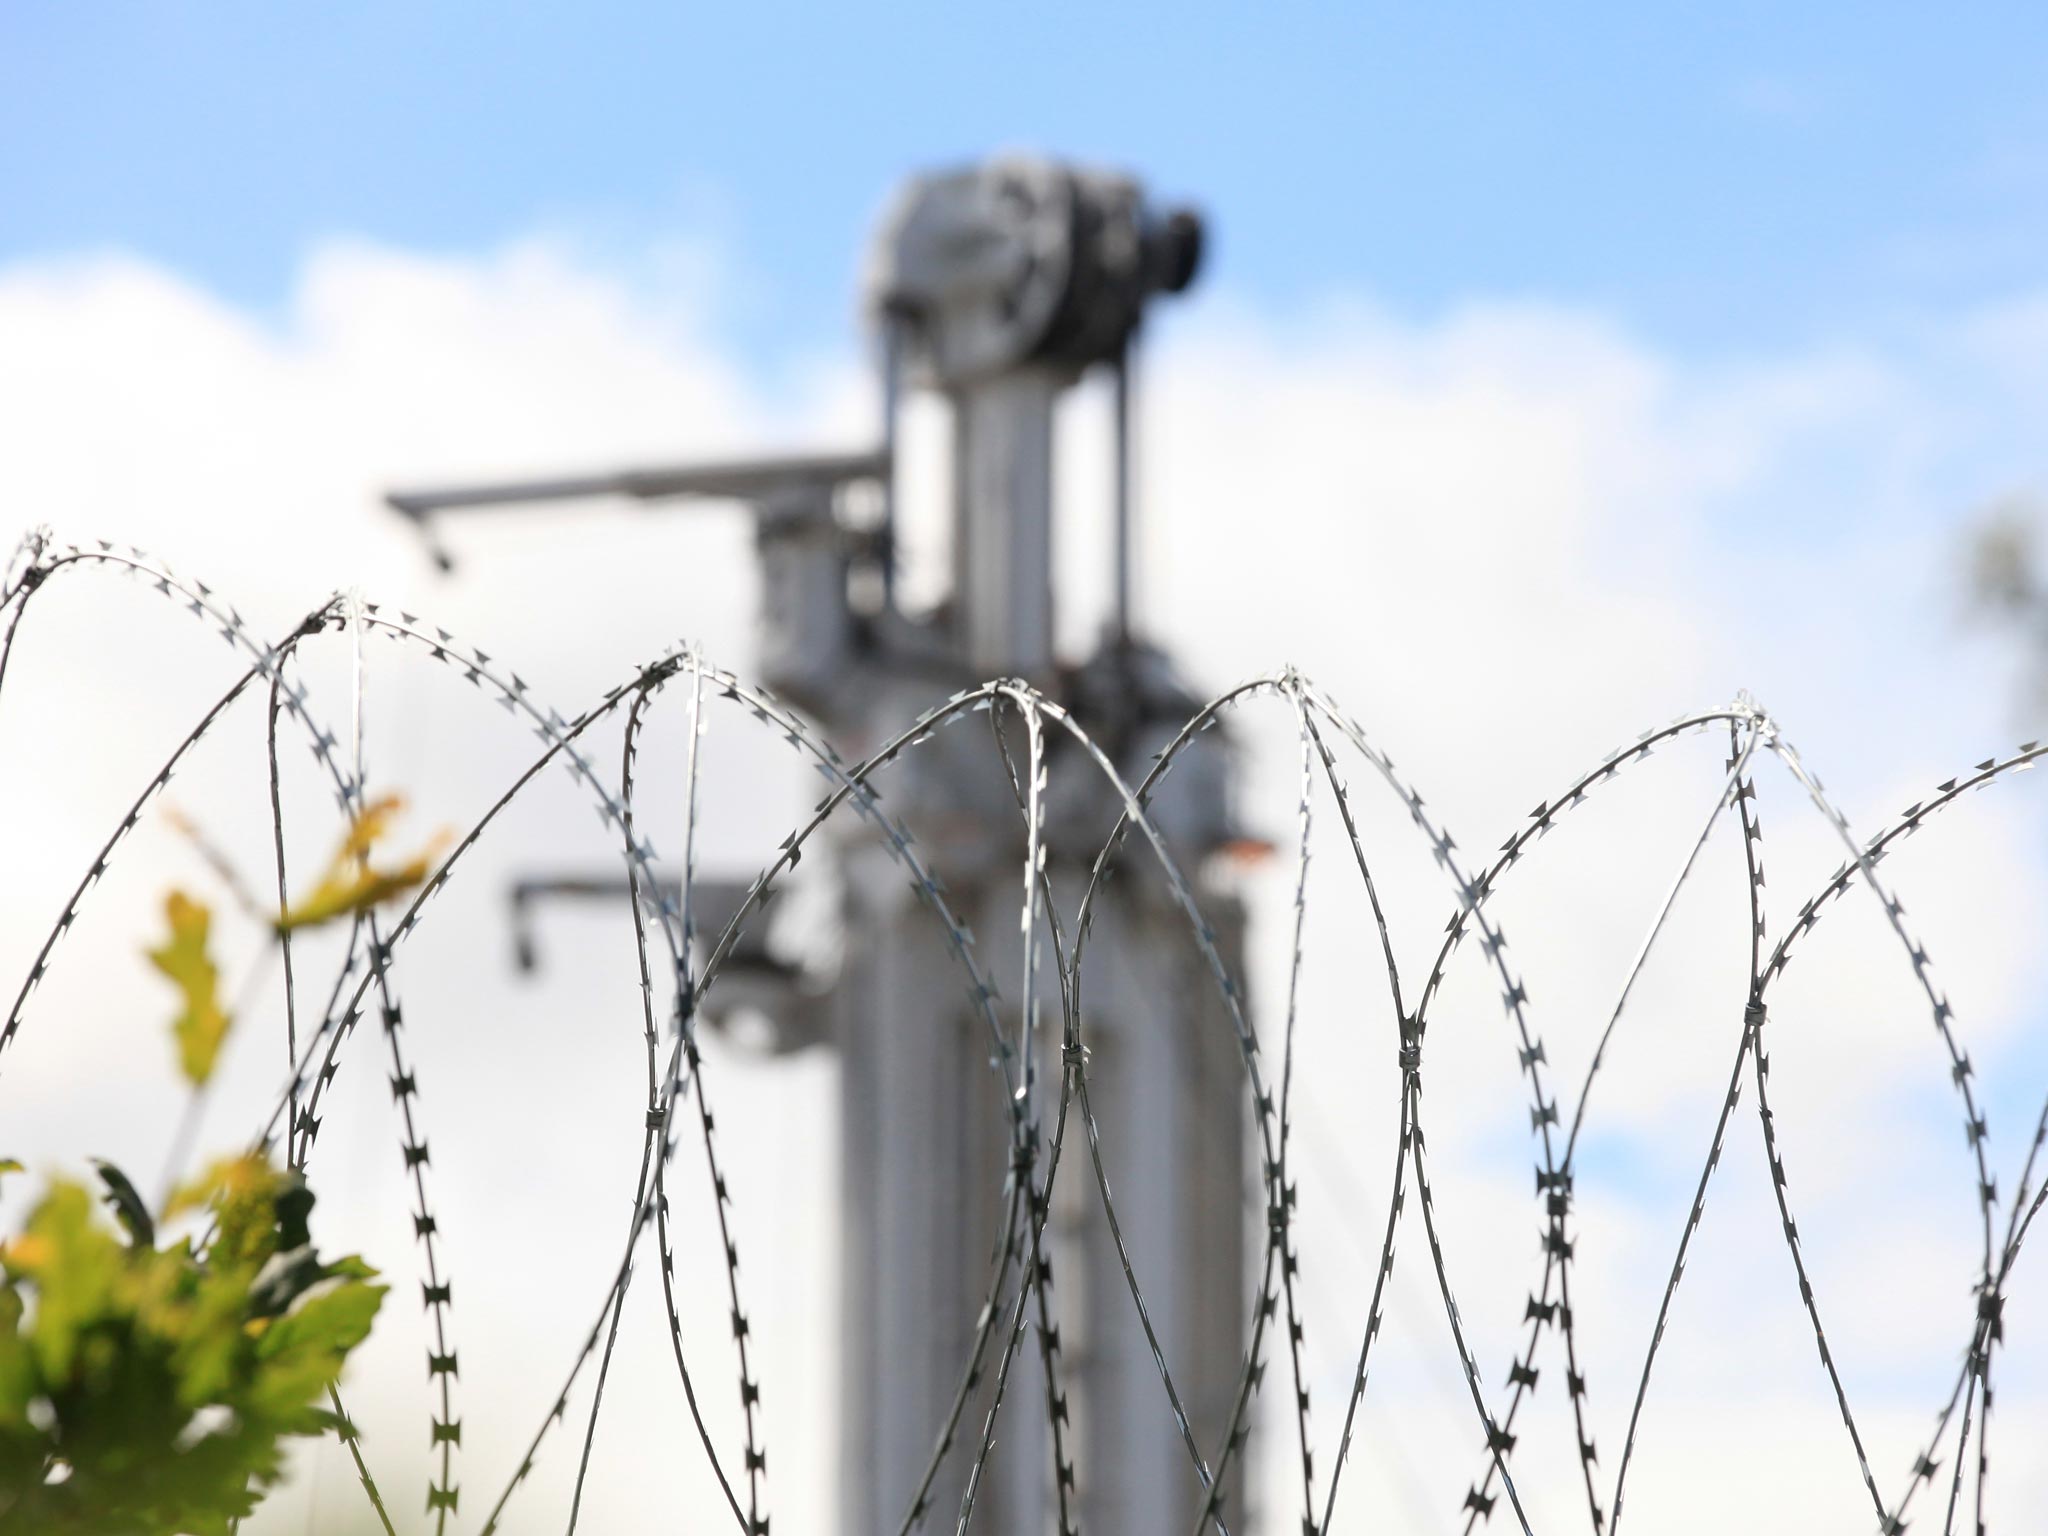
{"x": 1003, "y": 523}
{"x": 892, "y": 389}
{"x": 1122, "y": 618}
{"x": 733, "y": 479}
{"x": 738, "y": 479}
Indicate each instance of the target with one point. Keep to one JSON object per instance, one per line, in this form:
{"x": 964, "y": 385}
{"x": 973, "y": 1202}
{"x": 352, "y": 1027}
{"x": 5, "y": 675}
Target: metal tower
{"x": 997, "y": 287}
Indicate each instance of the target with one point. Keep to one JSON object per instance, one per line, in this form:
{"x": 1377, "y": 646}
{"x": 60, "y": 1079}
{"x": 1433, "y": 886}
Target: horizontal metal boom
{"x": 737, "y": 479}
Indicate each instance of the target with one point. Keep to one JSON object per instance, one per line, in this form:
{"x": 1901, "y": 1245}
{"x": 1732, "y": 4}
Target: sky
{"x": 1549, "y": 378}
{"x": 1722, "y": 182}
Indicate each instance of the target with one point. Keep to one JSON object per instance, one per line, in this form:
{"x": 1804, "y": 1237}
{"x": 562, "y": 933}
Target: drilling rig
{"x": 996, "y": 287}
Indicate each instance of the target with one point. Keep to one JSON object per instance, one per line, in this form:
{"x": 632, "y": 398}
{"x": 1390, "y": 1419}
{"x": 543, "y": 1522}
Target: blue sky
{"x": 1720, "y": 184}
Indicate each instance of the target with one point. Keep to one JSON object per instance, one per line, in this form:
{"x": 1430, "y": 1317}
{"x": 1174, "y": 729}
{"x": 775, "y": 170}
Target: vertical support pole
{"x": 1164, "y": 1073}
{"x": 924, "y": 1146}
{"x": 892, "y": 397}
{"x": 1122, "y": 619}
{"x": 1002, "y": 521}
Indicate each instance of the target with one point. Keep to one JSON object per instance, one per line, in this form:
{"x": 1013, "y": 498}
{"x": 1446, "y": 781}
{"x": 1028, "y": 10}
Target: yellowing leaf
{"x": 230, "y": 1181}
{"x": 203, "y": 1023}
{"x": 351, "y": 883}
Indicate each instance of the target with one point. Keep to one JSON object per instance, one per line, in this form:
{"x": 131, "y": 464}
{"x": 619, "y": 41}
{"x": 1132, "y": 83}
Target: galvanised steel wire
{"x": 1019, "y": 1285}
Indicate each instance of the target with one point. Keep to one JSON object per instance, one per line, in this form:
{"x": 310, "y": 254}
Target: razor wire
{"x": 1019, "y": 1281}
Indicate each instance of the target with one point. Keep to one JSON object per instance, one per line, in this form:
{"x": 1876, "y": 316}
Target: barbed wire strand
{"x": 1025, "y": 1202}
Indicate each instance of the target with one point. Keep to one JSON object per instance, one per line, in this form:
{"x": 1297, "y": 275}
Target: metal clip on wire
{"x": 1411, "y": 1045}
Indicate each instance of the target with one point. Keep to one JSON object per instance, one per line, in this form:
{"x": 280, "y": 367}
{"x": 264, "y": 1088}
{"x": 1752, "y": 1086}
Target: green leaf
{"x": 17, "y": 1371}
{"x": 119, "y": 1346}
{"x": 73, "y": 1264}
{"x": 128, "y": 1205}
{"x": 287, "y": 1277}
{"x": 202, "y": 1024}
{"x": 302, "y": 1352}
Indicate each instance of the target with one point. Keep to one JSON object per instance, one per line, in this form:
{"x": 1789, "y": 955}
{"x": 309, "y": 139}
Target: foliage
{"x": 148, "y": 1389}
{"x": 350, "y": 883}
{"x": 183, "y": 957}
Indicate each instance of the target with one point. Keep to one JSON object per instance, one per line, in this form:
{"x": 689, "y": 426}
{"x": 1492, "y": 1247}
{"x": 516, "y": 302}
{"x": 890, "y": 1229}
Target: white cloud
{"x": 1507, "y": 538}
